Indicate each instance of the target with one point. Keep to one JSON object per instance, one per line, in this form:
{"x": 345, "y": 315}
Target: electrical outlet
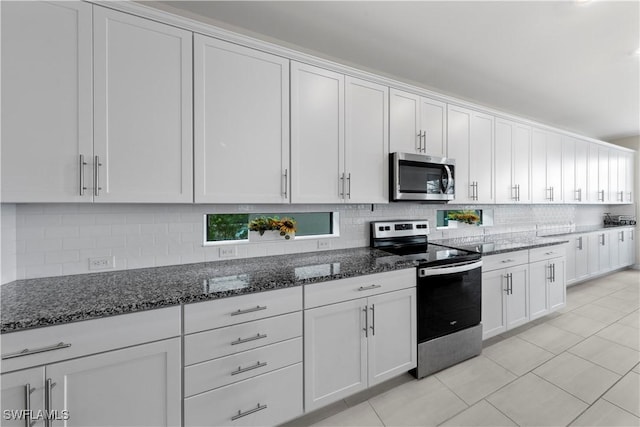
{"x": 324, "y": 244}
{"x": 101, "y": 263}
{"x": 228, "y": 252}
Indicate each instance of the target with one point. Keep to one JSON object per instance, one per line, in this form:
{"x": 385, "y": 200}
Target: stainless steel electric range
{"x": 449, "y": 293}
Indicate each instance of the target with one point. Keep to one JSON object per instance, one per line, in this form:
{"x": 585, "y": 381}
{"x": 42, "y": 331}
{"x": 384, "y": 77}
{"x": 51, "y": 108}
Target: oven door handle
{"x": 449, "y": 269}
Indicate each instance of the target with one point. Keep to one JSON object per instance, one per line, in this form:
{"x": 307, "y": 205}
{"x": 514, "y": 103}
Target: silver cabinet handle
{"x": 366, "y": 322}
{"x": 341, "y": 185}
{"x": 27, "y": 404}
{"x": 601, "y": 192}
{"x": 373, "y": 320}
{"x": 549, "y": 253}
{"x": 602, "y": 241}
{"x": 349, "y": 185}
{"x": 554, "y": 272}
{"x": 249, "y": 310}
{"x": 509, "y": 277}
{"x": 550, "y": 277}
{"x": 505, "y": 261}
{"x": 580, "y": 243}
{"x": 368, "y": 288}
{"x": 244, "y": 340}
{"x": 424, "y": 145}
{"x": 241, "y": 370}
{"x": 419, "y": 142}
{"x": 96, "y": 176}
{"x": 48, "y": 405}
{"x": 83, "y": 187}
{"x": 249, "y": 412}
{"x": 27, "y": 351}
{"x": 286, "y": 183}
{"x": 578, "y": 196}
{"x": 622, "y": 236}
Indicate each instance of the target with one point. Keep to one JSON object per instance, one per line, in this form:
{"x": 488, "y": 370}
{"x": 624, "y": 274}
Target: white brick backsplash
{"x": 52, "y": 239}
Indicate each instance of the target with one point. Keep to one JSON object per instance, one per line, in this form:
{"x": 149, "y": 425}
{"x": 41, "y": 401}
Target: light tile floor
{"x": 576, "y": 367}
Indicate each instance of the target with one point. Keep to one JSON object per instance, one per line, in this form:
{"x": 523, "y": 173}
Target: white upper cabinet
{"x": 417, "y": 124}
{"x": 339, "y": 143}
{"x": 546, "y": 167}
{"x": 241, "y": 116}
{"x": 143, "y": 148}
{"x": 46, "y": 100}
{"x": 512, "y": 162}
{"x": 574, "y": 170}
{"x": 317, "y": 135}
{"x": 620, "y": 176}
{"x": 629, "y": 178}
{"x": 366, "y": 141}
{"x": 598, "y": 174}
{"x": 470, "y": 144}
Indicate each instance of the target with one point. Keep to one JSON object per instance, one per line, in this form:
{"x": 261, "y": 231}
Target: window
{"x": 220, "y": 228}
{"x": 461, "y": 218}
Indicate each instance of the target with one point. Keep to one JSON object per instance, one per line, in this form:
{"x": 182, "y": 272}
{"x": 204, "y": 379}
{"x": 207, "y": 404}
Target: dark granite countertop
{"x": 48, "y": 301}
{"x": 500, "y": 243}
{"x": 583, "y": 229}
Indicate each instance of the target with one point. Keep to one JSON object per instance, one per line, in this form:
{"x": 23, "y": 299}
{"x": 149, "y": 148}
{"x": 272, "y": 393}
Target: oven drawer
{"x": 265, "y": 400}
{"x": 547, "y": 252}
{"x": 340, "y": 290}
{"x": 245, "y": 336}
{"x": 509, "y": 259}
{"x": 244, "y": 308}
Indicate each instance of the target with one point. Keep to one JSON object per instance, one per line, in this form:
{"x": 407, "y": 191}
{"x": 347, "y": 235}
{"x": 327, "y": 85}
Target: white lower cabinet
{"x": 96, "y": 379}
{"x": 354, "y": 344}
{"x": 607, "y": 250}
{"x": 504, "y": 299}
{"x": 547, "y": 288}
{"x": 243, "y": 361}
{"x": 577, "y": 267}
{"x": 520, "y": 286}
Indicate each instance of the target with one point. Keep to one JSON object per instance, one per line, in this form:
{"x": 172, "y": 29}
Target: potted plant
{"x": 462, "y": 217}
{"x": 272, "y": 228}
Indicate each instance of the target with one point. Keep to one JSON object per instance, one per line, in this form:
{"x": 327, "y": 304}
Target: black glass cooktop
{"x": 430, "y": 254}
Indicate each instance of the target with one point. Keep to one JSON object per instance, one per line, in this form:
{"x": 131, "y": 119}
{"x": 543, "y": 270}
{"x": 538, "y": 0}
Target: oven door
{"x": 419, "y": 177}
{"x": 449, "y": 298}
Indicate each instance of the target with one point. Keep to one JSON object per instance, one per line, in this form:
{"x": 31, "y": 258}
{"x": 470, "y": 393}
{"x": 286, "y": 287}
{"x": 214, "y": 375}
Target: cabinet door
{"x": 570, "y": 193}
{"x": 593, "y": 252}
{"x": 494, "y": 315}
{"x": 46, "y": 100}
{"x": 433, "y": 123}
{"x": 134, "y": 386}
{"x": 517, "y": 300}
{"x": 593, "y": 187}
{"x": 581, "y": 259}
{"x": 616, "y": 237}
{"x": 554, "y": 167}
{"x": 15, "y": 387}
{"x": 366, "y": 141}
{"x": 505, "y": 192}
{"x": 317, "y": 135}
{"x": 539, "y": 274}
{"x": 481, "y": 157}
{"x": 557, "y": 285}
{"x": 335, "y": 352}
{"x": 521, "y": 147}
{"x": 629, "y": 177}
{"x": 241, "y": 99}
{"x": 392, "y": 346}
{"x": 604, "y": 252}
{"x": 404, "y": 122}
{"x": 459, "y": 139}
{"x": 603, "y": 174}
{"x": 581, "y": 170}
{"x": 615, "y": 185}
{"x": 142, "y": 112}
{"x": 539, "y": 193}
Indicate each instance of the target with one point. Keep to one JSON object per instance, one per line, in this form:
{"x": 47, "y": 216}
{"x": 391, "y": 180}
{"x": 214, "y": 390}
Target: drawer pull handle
{"x": 507, "y": 260}
{"x": 249, "y": 310}
{"x": 27, "y": 352}
{"x": 241, "y": 370}
{"x": 244, "y": 340}
{"x": 249, "y": 412}
{"x": 549, "y": 253}
{"x": 368, "y": 288}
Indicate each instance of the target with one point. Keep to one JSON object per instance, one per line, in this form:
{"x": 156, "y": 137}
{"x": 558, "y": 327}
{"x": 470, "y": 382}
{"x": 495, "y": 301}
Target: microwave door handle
{"x": 449, "y": 180}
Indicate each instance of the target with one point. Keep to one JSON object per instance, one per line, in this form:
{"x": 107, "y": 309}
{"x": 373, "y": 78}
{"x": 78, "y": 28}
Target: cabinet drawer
{"x": 237, "y": 367}
{"x": 358, "y": 287}
{"x": 88, "y": 337}
{"x": 547, "y": 252}
{"x": 509, "y": 259}
{"x": 245, "y": 336}
{"x": 244, "y": 308}
{"x": 265, "y": 400}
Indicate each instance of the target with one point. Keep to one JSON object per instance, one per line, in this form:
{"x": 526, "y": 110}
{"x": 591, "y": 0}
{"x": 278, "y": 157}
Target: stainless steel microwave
{"x": 421, "y": 178}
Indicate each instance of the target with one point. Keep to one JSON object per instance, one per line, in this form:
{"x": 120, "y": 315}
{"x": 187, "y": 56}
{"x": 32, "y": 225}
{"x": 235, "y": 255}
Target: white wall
{"x": 58, "y": 239}
{"x": 632, "y": 142}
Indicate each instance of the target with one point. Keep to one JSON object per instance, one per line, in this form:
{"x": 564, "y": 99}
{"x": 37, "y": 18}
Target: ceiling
{"x": 569, "y": 64}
